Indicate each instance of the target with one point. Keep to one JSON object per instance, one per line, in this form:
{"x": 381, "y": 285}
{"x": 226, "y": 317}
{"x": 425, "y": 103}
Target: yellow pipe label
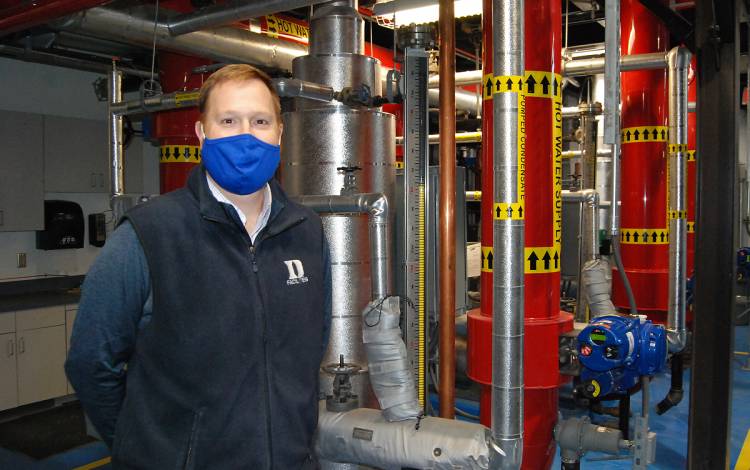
{"x": 644, "y": 236}
{"x": 541, "y": 259}
{"x": 179, "y": 154}
{"x": 645, "y": 134}
{"x": 488, "y": 258}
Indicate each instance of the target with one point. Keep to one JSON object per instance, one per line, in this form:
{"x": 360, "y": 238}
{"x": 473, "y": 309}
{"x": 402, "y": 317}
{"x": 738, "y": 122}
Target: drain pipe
{"x": 508, "y": 239}
{"x": 118, "y": 202}
{"x": 679, "y": 62}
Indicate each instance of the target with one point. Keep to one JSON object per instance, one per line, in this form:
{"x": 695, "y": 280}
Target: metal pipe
{"x": 469, "y": 77}
{"x": 136, "y": 26}
{"x": 447, "y": 208}
{"x": 508, "y": 240}
{"x": 237, "y": 10}
{"x": 613, "y": 64}
{"x": 577, "y": 153}
{"x": 295, "y": 88}
{"x": 593, "y": 66}
{"x": 589, "y": 125}
{"x": 466, "y": 101}
{"x": 363, "y": 436}
{"x": 376, "y": 206}
{"x": 29, "y": 14}
{"x": 30, "y": 55}
{"x": 119, "y": 203}
{"x": 679, "y": 62}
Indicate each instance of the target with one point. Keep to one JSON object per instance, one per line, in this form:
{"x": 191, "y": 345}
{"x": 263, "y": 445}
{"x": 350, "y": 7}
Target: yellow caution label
{"x": 677, "y": 214}
{"x": 542, "y": 84}
{"x": 488, "y": 257}
{"x": 179, "y": 154}
{"x": 541, "y": 259}
{"x": 645, "y": 134}
{"x": 508, "y": 211}
{"x": 399, "y": 165}
{"x": 521, "y": 146}
{"x": 691, "y": 227}
{"x": 644, "y": 236}
{"x": 183, "y": 99}
{"x": 674, "y": 148}
{"x": 276, "y": 26}
{"x": 488, "y": 86}
{"x": 691, "y": 155}
{"x": 474, "y": 195}
{"x": 557, "y": 172}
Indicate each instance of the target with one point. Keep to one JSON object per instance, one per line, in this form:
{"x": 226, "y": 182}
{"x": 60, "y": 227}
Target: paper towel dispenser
{"x": 63, "y": 226}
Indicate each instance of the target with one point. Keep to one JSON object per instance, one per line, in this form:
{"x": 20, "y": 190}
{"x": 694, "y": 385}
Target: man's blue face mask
{"x": 241, "y": 164}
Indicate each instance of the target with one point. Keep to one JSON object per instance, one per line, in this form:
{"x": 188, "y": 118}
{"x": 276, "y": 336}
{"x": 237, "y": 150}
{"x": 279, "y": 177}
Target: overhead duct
{"x": 225, "y": 44}
{"x": 236, "y": 10}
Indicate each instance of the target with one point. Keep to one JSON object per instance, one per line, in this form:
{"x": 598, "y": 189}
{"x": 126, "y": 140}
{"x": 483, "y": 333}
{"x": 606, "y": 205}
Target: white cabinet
{"x": 8, "y": 387}
{"x": 76, "y": 157}
{"x": 21, "y": 172}
{"x": 41, "y": 358}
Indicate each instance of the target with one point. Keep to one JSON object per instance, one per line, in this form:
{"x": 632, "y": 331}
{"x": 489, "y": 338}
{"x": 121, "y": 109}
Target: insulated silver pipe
{"x": 237, "y": 10}
{"x": 116, "y": 148}
{"x": 469, "y": 77}
{"x": 376, "y": 206}
{"x": 593, "y": 66}
{"x": 679, "y": 62}
{"x": 508, "y": 239}
{"x": 295, "y": 88}
{"x": 577, "y": 153}
{"x": 136, "y": 26}
{"x": 465, "y": 100}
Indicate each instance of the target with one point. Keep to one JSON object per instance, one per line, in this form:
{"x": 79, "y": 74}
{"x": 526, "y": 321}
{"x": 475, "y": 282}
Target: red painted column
{"x": 543, "y": 179}
{"x": 175, "y": 129}
{"x": 691, "y": 169}
{"x": 644, "y": 167}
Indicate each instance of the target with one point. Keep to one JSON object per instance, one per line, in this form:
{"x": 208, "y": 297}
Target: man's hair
{"x": 237, "y": 73}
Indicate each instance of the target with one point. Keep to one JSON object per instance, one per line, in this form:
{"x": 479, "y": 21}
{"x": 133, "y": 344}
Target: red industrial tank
{"x": 644, "y": 230}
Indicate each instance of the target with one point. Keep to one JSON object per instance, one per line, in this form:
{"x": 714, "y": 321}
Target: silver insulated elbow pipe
{"x": 678, "y": 63}
{"x": 508, "y": 240}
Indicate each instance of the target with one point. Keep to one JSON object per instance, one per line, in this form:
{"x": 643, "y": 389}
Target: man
{"x": 203, "y": 321}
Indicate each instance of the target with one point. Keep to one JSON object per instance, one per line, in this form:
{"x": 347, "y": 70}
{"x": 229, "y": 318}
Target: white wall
{"x": 43, "y": 89}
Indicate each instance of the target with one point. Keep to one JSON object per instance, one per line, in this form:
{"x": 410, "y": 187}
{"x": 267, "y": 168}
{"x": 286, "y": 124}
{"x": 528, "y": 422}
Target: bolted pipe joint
{"x": 676, "y": 339}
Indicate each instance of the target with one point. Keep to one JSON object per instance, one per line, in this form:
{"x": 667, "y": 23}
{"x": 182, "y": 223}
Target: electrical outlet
{"x": 20, "y": 260}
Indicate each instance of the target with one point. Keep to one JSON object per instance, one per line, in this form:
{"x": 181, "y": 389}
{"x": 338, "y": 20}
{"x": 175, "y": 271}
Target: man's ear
{"x": 199, "y": 132}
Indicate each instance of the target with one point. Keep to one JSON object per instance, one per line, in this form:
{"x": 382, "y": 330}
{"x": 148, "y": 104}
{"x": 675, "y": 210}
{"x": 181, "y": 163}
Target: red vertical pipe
{"x": 543, "y": 319}
{"x": 644, "y": 167}
{"x": 175, "y": 129}
{"x": 479, "y": 341}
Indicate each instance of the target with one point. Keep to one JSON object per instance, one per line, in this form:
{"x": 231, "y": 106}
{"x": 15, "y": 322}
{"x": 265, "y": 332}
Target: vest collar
{"x": 283, "y": 214}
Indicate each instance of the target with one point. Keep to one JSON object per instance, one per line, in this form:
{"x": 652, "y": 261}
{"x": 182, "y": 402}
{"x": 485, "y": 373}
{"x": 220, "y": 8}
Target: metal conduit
{"x": 679, "y": 62}
{"x": 508, "y": 242}
{"x": 117, "y": 202}
{"x": 236, "y": 10}
{"x": 376, "y": 206}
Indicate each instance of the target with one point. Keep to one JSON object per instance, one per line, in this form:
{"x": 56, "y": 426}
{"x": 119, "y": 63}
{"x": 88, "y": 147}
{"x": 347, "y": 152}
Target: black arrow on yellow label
{"x": 533, "y": 258}
{"x": 530, "y": 84}
{"x": 545, "y": 85}
{"x": 488, "y": 86}
{"x": 546, "y": 258}
{"x": 557, "y": 259}
{"x": 554, "y": 85}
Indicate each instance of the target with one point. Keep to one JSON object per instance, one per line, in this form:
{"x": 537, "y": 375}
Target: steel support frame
{"x": 713, "y": 338}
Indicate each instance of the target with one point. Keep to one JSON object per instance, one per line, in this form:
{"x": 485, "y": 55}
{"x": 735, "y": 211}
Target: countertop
{"x": 10, "y": 303}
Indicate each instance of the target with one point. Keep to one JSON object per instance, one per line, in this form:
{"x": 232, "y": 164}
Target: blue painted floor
{"x": 671, "y": 429}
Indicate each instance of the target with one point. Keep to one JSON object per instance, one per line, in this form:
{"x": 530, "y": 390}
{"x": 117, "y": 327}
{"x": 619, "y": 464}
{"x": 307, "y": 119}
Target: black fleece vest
{"x": 225, "y": 375}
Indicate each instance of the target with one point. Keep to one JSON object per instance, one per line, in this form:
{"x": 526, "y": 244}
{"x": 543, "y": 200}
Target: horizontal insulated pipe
{"x": 655, "y": 60}
{"x": 363, "y": 436}
{"x": 376, "y": 206}
{"x": 225, "y": 44}
{"x": 679, "y": 62}
{"x": 228, "y": 12}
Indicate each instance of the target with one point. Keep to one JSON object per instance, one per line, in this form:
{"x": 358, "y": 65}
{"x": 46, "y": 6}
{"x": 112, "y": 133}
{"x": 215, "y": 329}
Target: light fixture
{"x": 403, "y": 12}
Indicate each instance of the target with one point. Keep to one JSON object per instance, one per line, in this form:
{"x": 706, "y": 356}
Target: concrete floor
{"x": 671, "y": 429}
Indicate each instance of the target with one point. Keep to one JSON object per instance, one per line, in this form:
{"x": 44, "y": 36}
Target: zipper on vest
{"x": 267, "y": 380}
